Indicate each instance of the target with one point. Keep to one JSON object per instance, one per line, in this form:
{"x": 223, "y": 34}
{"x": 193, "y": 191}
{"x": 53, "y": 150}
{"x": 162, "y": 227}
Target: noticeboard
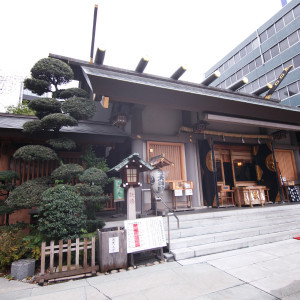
{"x": 144, "y": 234}
{"x": 118, "y": 191}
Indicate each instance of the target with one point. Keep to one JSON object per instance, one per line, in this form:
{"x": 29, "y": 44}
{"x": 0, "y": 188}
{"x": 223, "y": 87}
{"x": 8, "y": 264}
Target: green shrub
{"x": 35, "y": 152}
{"x": 53, "y": 71}
{"x": 28, "y": 194}
{"x": 93, "y": 175}
{"x": 79, "y": 108}
{"x": 16, "y": 244}
{"x": 62, "y": 144}
{"x": 37, "y": 86}
{"x": 45, "y": 106}
{"x": 61, "y": 213}
{"x": 67, "y": 172}
{"x": 20, "y": 109}
{"x": 71, "y": 92}
{"x": 57, "y": 121}
{"x": 33, "y": 243}
{"x": 32, "y": 127}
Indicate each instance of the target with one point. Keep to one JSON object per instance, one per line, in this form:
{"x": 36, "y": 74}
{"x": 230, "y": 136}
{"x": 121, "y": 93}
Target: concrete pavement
{"x": 270, "y": 271}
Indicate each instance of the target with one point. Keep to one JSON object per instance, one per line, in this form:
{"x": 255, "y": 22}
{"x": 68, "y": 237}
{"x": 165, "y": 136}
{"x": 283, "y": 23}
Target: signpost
{"x": 145, "y": 234}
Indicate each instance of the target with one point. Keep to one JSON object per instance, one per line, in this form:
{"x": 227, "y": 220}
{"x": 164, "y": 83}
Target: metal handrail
{"x": 171, "y": 212}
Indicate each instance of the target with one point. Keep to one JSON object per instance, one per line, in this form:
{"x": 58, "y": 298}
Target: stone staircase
{"x": 206, "y": 233}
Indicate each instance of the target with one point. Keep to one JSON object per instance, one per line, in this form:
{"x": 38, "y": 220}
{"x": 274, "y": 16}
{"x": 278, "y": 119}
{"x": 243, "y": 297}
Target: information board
{"x": 118, "y": 191}
{"x": 144, "y": 234}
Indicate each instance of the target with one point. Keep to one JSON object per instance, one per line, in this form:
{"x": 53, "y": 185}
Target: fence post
{"x": 77, "y": 254}
{"x": 51, "y": 256}
{"x": 43, "y": 258}
{"x": 69, "y": 256}
{"x": 85, "y": 253}
{"x": 60, "y": 257}
{"x": 93, "y": 252}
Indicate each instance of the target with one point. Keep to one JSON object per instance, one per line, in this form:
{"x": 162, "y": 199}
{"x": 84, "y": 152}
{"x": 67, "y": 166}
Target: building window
{"x": 297, "y": 11}
{"x": 245, "y": 70}
{"x": 274, "y": 51}
{"x": 233, "y": 78}
{"x": 293, "y": 38}
{"x": 262, "y": 80}
{"x": 296, "y": 61}
{"x": 283, "y": 45}
{"x": 288, "y": 18}
{"x": 270, "y": 76}
{"x": 258, "y": 62}
{"x": 248, "y": 88}
{"x": 271, "y": 31}
{"x": 243, "y": 52}
{"x": 249, "y": 48}
{"x": 278, "y": 71}
{"x": 287, "y": 64}
{"x": 267, "y": 55}
{"x": 239, "y": 75}
{"x": 228, "y": 81}
{"x": 231, "y": 62}
{"x": 279, "y": 25}
{"x": 282, "y": 93}
{"x": 293, "y": 89}
{"x": 252, "y": 66}
{"x": 255, "y": 85}
{"x": 255, "y": 43}
{"x": 237, "y": 57}
{"x": 275, "y": 96}
{"x": 263, "y": 36}
{"x": 173, "y": 152}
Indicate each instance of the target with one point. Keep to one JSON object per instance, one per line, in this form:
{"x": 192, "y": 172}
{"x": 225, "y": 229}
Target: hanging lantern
{"x": 157, "y": 181}
{"x": 120, "y": 120}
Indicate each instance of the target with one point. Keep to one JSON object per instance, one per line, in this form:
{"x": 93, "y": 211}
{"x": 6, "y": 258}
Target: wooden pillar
{"x": 5, "y": 155}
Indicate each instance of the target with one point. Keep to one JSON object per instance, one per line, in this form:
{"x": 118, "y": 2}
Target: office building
{"x": 263, "y": 56}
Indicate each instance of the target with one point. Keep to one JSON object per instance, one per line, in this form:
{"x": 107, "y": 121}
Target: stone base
{"x": 23, "y": 268}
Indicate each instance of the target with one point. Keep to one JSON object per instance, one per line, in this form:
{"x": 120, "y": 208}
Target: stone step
{"x": 235, "y": 233}
{"x": 215, "y": 212}
{"x": 211, "y": 248}
{"x": 234, "y": 225}
{"x": 207, "y": 219}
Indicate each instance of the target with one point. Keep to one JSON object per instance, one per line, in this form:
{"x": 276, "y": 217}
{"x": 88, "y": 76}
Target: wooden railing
{"x": 59, "y": 270}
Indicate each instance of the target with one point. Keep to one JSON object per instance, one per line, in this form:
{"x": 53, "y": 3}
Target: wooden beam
{"x": 251, "y": 122}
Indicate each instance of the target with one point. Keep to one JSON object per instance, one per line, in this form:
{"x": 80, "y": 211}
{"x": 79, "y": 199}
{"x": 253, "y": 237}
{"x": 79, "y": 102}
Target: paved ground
{"x": 269, "y": 271}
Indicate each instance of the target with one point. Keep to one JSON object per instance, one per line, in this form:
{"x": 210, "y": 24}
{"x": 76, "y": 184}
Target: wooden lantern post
{"x": 130, "y": 169}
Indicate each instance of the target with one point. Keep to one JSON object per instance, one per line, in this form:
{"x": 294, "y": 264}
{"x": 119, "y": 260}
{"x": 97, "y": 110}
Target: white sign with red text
{"x": 144, "y": 234}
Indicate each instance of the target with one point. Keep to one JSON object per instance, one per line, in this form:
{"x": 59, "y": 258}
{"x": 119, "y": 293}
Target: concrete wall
{"x": 161, "y": 121}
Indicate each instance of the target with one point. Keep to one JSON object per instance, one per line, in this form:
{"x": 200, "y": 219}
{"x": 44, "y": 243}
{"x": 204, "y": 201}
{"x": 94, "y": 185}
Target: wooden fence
{"x": 34, "y": 169}
{"x": 56, "y": 258}
{"x": 111, "y": 204}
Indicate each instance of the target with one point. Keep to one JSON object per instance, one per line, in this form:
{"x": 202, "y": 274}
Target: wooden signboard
{"x": 145, "y": 234}
{"x": 118, "y": 191}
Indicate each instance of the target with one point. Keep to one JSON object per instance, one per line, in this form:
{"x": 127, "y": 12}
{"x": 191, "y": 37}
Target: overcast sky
{"x": 193, "y": 33}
